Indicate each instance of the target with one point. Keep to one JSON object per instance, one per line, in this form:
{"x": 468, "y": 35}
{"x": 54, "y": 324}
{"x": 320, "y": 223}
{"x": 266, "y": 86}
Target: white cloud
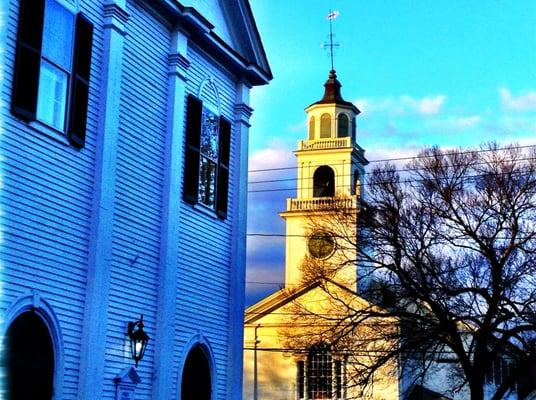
{"x": 429, "y": 105}
{"x": 276, "y": 155}
{"x": 523, "y": 102}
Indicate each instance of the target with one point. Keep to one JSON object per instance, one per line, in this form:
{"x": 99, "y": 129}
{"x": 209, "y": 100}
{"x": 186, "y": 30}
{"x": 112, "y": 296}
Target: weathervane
{"x": 331, "y": 45}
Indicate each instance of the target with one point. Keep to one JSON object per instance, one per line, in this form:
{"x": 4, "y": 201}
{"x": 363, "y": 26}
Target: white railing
{"x": 322, "y": 203}
{"x": 322, "y": 144}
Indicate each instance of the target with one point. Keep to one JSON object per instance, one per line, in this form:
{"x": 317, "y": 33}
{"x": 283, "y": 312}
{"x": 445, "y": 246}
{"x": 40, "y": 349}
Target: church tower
{"x": 330, "y": 167}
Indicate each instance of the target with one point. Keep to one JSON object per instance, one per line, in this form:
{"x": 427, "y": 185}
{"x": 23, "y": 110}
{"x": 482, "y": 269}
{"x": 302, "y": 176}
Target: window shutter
{"x": 28, "y": 59}
{"x": 191, "y": 157}
{"x": 300, "y": 367}
{"x": 80, "y": 83}
{"x": 223, "y": 168}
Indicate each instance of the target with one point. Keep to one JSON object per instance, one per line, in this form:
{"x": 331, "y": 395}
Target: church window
{"x": 342, "y": 125}
{"x": 206, "y": 164}
{"x": 311, "y": 128}
{"x": 325, "y": 126}
{"x": 320, "y": 376}
{"x": 29, "y": 354}
{"x": 324, "y": 182}
{"x": 52, "y": 67}
{"x": 196, "y": 376}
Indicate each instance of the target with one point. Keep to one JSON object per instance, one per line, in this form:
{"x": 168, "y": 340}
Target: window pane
{"x": 58, "y": 34}
{"x": 209, "y": 134}
{"x": 52, "y": 96}
{"x": 207, "y": 181}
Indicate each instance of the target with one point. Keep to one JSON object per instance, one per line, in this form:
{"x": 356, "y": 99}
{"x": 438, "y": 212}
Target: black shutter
{"x": 191, "y": 156}
{"x": 300, "y": 379}
{"x": 80, "y": 81}
{"x": 28, "y": 59}
{"x": 223, "y": 168}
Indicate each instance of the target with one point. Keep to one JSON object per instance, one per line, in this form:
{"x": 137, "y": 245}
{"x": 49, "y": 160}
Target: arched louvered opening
{"x": 311, "y": 128}
{"x": 324, "y": 182}
{"x": 196, "y": 377}
{"x": 29, "y": 358}
{"x": 342, "y": 125}
{"x": 325, "y": 126}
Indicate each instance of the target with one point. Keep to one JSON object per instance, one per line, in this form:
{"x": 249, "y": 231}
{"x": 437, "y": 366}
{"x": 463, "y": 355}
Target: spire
{"x": 332, "y": 92}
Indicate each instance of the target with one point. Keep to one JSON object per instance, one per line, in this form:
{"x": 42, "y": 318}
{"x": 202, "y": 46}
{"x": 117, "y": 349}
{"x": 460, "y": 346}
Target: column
{"x": 238, "y": 260}
{"x": 93, "y": 349}
{"x": 169, "y": 244}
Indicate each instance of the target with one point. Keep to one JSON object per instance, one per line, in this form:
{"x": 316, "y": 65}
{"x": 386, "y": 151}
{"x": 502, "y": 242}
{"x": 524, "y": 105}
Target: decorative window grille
{"x": 320, "y": 376}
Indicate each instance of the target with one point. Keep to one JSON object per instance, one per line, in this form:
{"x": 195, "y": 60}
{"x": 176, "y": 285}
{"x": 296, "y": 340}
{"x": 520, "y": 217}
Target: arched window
{"x": 196, "y": 377}
{"x": 29, "y": 357}
{"x": 354, "y": 129}
{"x": 342, "y": 125}
{"x": 311, "y": 128}
{"x": 320, "y": 376}
{"x": 324, "y": 182}
{"x": 325, "y": 126}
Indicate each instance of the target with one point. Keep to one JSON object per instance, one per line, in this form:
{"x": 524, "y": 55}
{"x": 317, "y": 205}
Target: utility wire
{"x": 369, "y": 184}
{"x": 408, "y": 158}
{"x": 446, "y": 167}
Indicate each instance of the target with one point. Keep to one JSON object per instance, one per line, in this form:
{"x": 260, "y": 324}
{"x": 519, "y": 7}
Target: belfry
{"x": 330, "y": 172}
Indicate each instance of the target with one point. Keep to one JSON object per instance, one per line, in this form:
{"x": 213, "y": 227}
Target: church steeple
{"x": 332, "y": 93}
{"x": 330, "y": 176}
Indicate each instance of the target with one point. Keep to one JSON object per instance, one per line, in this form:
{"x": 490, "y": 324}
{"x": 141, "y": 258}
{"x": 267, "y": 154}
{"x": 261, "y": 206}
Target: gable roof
{"x": 231, "y": 35}
{"x": 284, "y": 296}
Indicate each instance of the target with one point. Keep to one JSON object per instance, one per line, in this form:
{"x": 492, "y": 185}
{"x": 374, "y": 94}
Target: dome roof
{"x": 332, "y": 93}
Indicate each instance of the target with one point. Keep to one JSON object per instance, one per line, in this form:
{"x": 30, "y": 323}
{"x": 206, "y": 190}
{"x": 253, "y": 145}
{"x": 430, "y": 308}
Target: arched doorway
{"x": 29, "y": 359}
{"x": 324, "y": 182}
{"x": 196, "y": 377}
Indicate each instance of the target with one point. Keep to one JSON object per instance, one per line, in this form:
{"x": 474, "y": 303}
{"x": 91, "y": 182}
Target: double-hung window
{"x": 206, "y": 161}
{"x": 52, "y": 65}
{"x": 320, "y": 376}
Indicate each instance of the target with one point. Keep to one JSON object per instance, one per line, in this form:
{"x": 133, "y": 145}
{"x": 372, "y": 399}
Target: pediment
{"x": 232, "y": 22}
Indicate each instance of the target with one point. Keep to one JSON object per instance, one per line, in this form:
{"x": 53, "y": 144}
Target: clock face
{"x": 321, "y": 245}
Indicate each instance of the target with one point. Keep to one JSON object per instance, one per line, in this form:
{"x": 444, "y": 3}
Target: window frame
{"x": 30, "y": 62}
{"x": 193, "y": 158}
{"x": 337, "y": 374}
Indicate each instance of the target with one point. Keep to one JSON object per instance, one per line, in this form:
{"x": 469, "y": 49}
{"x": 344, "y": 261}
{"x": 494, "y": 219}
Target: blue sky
{"x": 448, "y": 73}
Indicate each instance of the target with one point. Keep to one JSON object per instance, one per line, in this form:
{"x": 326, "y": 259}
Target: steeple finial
{"x": 331, "y": 46}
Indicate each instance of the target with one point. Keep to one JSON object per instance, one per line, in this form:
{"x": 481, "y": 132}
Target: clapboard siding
{"x": 139, "y": 183}
{"x": 207, "y": 310}
{"x": 46, "y": 205}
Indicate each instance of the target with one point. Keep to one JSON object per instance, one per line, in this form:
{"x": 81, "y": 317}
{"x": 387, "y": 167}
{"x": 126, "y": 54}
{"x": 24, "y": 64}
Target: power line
{"x": 369, "y": 184}
{"x": 446, "y": 167}
{"x": 409, "y": 158}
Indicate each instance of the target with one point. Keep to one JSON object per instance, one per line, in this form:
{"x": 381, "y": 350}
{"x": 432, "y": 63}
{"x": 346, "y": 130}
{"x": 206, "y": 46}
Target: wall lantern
{"x": 138, "y": 339}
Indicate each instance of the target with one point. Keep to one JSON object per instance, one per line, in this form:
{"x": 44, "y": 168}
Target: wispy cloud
{"x": 402, "y": 105}
{"x": 523, "y": 102}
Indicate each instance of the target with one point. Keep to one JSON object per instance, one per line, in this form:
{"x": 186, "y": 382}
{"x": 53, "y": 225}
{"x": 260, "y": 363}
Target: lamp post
{"x": 138, "y": 340}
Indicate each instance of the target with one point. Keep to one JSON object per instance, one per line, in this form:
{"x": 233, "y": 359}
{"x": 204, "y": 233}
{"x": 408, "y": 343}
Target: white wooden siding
{"x": 205, "y": 242}
{"x": 46, "y": 203}
{"x": 140, "y": 169}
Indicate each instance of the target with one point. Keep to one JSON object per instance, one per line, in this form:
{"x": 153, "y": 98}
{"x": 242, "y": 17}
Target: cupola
{"x": 331, "y": 117}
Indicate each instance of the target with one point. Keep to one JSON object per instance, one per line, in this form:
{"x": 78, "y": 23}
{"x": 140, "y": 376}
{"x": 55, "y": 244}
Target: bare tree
{"x": 446, "y": 254}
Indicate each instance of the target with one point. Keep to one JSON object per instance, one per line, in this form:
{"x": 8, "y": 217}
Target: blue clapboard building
{"x": 123, "y": 157}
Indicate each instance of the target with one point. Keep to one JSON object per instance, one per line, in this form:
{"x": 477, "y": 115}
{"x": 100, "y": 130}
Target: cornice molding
{"x": 115, "y": 17}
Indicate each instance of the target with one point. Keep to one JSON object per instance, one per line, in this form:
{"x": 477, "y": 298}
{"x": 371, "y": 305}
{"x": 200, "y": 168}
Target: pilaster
{"x": 169, "y": 241}
{"x": 93, "y": 351}
{"x": 238, "y": 260}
